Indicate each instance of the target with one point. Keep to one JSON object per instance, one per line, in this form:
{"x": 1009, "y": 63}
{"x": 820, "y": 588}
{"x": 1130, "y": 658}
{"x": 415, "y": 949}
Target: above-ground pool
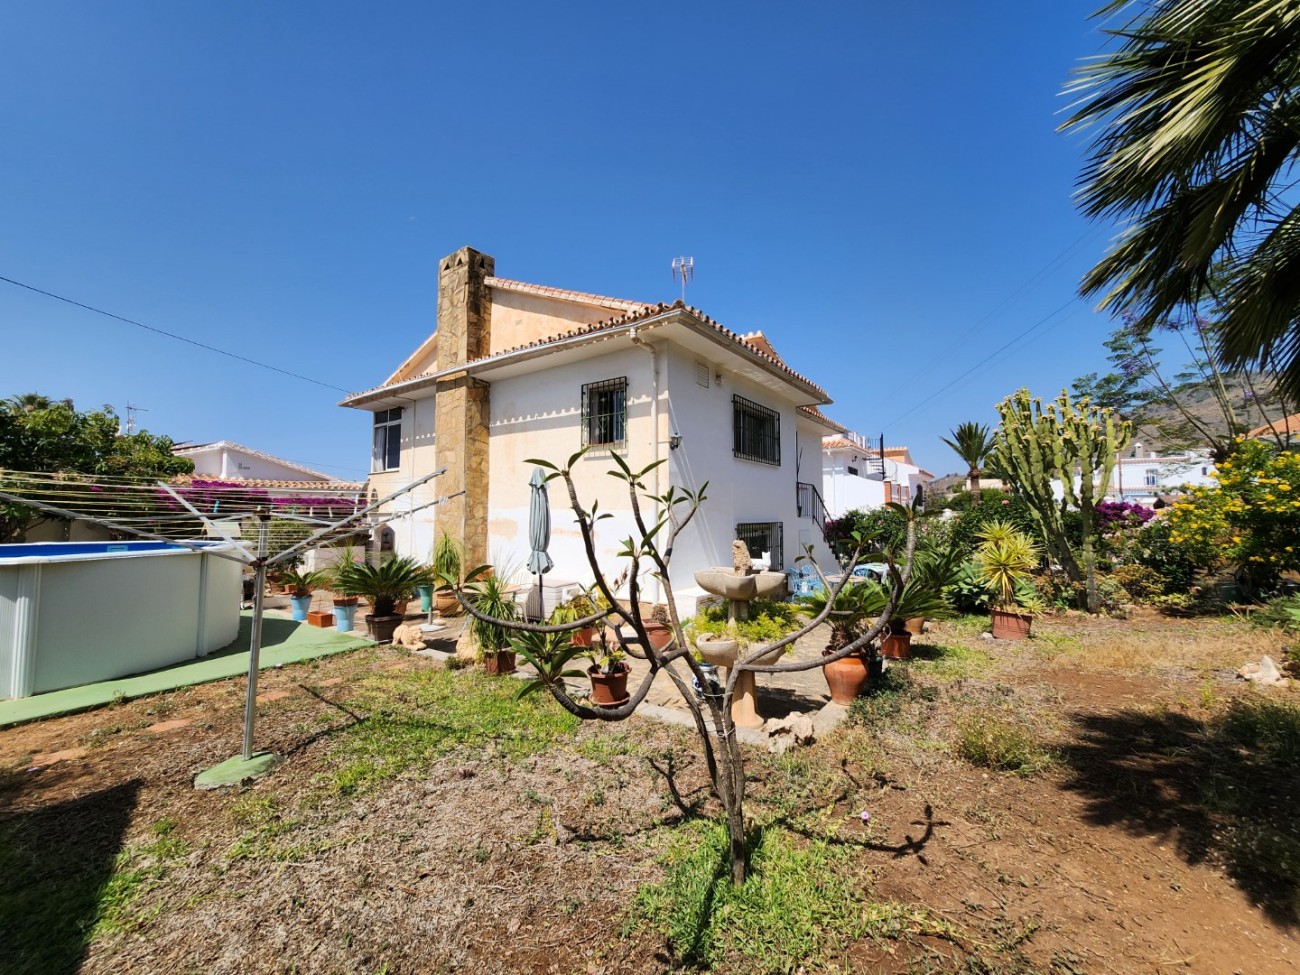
{"x": 78, "y": 612}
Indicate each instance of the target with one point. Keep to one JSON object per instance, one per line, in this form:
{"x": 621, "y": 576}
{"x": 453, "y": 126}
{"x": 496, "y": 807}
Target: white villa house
{"x": 516, "y": 371}
{"x": 1145, "y": 475}
{"x": 857, "y": 475}
{"x": 228, "y": 460}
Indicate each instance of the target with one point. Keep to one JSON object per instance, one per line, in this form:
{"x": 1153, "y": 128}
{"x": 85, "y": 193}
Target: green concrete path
{"x": 283, "y": 642}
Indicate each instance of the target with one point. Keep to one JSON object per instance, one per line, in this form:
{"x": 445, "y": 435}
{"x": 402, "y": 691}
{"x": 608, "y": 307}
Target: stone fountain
{"x": 738, "y": 584}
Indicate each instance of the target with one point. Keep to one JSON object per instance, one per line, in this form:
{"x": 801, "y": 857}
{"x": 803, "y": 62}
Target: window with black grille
{"x": 756, "y": 432}
{"x": 763, "y": 537}
{"x": 604, "y": 413}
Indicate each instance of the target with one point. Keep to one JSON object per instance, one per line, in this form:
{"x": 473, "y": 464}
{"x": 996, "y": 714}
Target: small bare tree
{"x": 649, "y": 554}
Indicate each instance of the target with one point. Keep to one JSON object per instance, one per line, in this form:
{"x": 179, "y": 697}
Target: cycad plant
{"x": 382, "y": 585}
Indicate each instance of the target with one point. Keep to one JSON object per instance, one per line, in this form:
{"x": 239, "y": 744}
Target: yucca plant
{"x": 1006, "y": 559}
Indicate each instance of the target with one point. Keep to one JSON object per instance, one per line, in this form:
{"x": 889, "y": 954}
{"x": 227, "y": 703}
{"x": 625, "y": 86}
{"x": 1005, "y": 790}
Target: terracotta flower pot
{"x": 914, "y": 625}
{"x": 583, "y": 637}
{"x": 500, "y": 663}
{"x": 609, "y": 690}
{"x": 896, "y": 646}
{"x": 445, "y": 602}
{"x": 659, "y": 634}
{"x": 1007, "y": 625}
{"x": 320, "y": 617}
{"x": 846, "y": 678}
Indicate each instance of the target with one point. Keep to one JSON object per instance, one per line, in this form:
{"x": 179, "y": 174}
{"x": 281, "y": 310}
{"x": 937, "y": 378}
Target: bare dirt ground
{"x": 1111, "y": 860}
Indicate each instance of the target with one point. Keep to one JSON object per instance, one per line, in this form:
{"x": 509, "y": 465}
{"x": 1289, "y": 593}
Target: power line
{"x": 952, "y": 382}
{"x": 173, "y": 335}
{"x": 1034, "y": 279}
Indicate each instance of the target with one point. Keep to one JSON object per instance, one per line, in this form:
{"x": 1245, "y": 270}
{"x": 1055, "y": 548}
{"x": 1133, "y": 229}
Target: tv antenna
{"x": 684, "y": 267}
{"x": 131, "y": 411}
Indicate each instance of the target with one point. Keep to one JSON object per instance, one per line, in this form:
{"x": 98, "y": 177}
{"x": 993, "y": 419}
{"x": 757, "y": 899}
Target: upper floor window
{"x": 387, "y": 452}
{"x": 756, "y": 432}
{"x": 604, "y": 413}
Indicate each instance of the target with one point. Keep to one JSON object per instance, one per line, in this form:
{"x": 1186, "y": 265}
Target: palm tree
{"x": 972, "y": 442}
{"x": 30, "y": 403}
{"x": 1198, "y": 131}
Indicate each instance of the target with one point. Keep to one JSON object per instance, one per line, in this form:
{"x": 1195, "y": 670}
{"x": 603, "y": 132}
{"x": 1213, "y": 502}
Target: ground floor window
{"x": 763, "y": 538}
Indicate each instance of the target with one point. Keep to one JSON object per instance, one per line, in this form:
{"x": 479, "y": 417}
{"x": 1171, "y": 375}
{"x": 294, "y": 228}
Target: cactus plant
{"x": 1037, "y": 444}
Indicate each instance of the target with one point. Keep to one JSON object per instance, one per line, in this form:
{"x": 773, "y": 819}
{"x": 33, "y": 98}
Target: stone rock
{"x": 1265, "y": 672}
{"x": 793, "y": 729}
{"x": 986, "y": 635}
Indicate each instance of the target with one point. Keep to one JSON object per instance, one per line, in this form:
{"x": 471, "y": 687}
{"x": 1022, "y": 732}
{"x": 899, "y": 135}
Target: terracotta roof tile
{"x": 648, "y": 311}
{"x": 327, "y": 487}
{"x": 1288, "y": 424}
{"x": 816, "y": 414}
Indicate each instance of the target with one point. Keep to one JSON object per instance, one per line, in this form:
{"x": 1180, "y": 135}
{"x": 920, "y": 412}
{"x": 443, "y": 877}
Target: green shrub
{"x": 1175, "y": 565}
{"x": 1140, "y": 581}
{"x": 999, "y": 742}
{"x": 1283, "y": 611}
{"x": 769, "y": 620}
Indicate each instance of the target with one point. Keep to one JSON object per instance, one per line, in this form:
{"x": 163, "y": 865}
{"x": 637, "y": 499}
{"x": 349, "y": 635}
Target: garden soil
{"x": 483, "y": 863}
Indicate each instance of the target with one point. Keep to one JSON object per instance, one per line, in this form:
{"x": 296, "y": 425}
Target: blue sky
{"x": 879, "y": 187}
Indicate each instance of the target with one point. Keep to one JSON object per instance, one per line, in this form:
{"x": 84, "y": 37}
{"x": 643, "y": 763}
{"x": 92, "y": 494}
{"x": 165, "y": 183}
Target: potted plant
{"x": 345, "y": 606}
{"x": 658, "y": 629}
{"x": 492, "y": 597}
{"x": 608, "y": 672}
{"x": 299, "y": 586}
{"x": 576, "y": 608}
{"x": 856, "y": 603}
{"x": 382, "y": 586}
{"x": 922, "y": 598}
{"x": 1006, "y": 558}
{"x": 722, "y": 640}
{"x": 447, "y": 565}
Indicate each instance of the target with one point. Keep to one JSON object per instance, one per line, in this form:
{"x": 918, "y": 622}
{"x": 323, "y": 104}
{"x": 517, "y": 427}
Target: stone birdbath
{"x": 738, "y": 584}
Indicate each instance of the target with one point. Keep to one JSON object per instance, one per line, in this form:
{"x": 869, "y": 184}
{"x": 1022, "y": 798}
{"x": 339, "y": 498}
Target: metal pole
{"x": 255, "y": 648}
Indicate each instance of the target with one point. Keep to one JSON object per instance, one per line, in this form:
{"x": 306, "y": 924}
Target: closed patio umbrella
{"x": 539, "y": 532}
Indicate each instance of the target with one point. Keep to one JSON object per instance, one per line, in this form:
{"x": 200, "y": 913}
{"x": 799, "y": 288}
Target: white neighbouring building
{"x": 857, "y": 475}
{"x": 232, "y": 461}
{"x": 517, "y": 371}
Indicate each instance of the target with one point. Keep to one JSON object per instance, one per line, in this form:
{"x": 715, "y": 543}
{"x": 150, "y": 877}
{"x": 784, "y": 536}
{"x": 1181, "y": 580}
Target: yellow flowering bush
{"x": 1252, "y": 519}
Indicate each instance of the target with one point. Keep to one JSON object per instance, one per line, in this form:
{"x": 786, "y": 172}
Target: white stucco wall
{"x": 231, "y": 462}
{"x": 413, "y": 534}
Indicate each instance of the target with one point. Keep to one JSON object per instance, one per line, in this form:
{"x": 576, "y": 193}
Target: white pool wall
{"x": 67, "y": 620}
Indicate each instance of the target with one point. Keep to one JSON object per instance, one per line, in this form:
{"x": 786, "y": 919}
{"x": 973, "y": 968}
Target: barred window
{"x": 604, "y": 413}
{"x": 756, "y": 432}
{"x": 386, "y": 454}
{"x": 762, "y": 537}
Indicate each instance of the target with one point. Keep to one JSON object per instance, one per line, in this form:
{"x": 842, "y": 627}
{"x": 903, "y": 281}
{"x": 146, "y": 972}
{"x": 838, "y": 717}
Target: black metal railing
{"x": 811, "y": 505}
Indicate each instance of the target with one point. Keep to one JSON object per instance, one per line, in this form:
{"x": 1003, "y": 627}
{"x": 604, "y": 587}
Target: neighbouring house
{"x": 1284, "y": 432}
{"x": 1145, "y": 475}
{"x": 856, "y": 475}
{"x": 516, "y": 371}
{"x": 231, "y": 461}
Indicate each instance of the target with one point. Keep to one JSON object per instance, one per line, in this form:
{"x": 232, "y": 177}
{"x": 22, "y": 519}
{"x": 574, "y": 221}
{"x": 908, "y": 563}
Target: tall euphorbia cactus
{"x": 1037, "y": 445}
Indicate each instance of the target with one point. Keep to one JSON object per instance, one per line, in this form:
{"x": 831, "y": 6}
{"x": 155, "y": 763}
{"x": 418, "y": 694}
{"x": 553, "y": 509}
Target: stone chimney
{"x": 461, "y": 410}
